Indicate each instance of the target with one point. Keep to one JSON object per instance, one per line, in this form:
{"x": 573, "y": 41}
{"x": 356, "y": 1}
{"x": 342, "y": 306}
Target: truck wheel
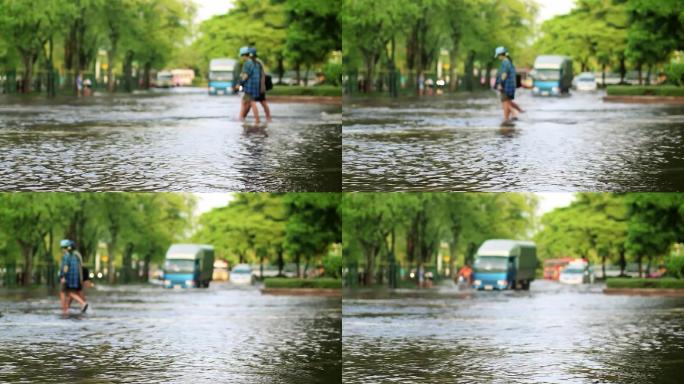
{"x": 514, "y": 284}
{"x": 526, "y": 285}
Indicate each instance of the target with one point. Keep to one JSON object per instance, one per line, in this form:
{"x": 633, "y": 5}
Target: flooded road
{"x": 183, "y": 140}
{"x": 454, "y": 143}
{"x": 146, "y": 334}
{"x": 550, "y": 334}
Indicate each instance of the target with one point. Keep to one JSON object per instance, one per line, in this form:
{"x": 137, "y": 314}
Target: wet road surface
{"x": 455, "y": 143}
{"x": 147, "y": 334}
{"x": 182, "y": 140}
{"x": 551, "y": 334}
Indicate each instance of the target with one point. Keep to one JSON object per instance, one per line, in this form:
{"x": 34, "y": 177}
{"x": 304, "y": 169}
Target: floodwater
{"x": 145, "y": 334}
{"x": 550, "y": 334}
{"x": 180, "y": 140}
{"x": 455, "y": 143}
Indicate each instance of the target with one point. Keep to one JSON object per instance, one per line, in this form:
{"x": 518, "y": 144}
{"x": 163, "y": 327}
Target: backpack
{"x": 268, "y": 79}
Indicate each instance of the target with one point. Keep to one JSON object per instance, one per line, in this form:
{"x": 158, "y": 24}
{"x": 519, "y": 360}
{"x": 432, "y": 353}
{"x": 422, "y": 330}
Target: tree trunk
{"x": 281, "y": 262}
{"x": 369, "y": 253}
{"x": 603, "y": 75}
{"x": 623, "y": 262}
{"x": 298, "y": 76}
{"x": 111, "y": 62}
{"x": 368, "y": 81}
{"x": 281, "y": 68}
{"x": 27, "y": 254}
{"x": 488, "y": 75}
{"x": 111, "y": 249}
{"x": 128, "y": 72}
{"x": 623, "y": 69}
{"x": 468, "y": 75}
{"x": 306, "y": 76}
{"x": 299, "y": 273}
{"x": 261, "y": 267}
{"x": 28, "y": 60}
{"x": 146, "y": 75}
{"x": 146, "y": 267}
{"x": 453, "y": 81}
{"x": 641, "y": 81}
{"x": 640, "y": 268}
{"x": 648, "y": 74}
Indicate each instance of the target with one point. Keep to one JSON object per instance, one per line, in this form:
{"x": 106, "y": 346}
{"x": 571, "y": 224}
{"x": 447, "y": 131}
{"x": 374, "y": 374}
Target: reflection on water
{"x": 167, "y": 142}
{"x": 146, "y": 334}
{"x": 551, "y": 334}
{"x": 560, "y": 144}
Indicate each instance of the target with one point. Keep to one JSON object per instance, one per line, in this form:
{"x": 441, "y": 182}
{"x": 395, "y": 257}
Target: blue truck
{"x": 188, "y": 266}
{"x": 504, "y": 264}
{"x": 222, "y": 75}
{"x": 552, "y": 75}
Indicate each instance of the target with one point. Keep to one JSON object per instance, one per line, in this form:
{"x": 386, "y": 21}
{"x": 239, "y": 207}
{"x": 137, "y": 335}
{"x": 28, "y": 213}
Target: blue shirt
{"x": 509, "y": 84}
{"x": 252, "y": 86}
{"x": 70, "y": 269}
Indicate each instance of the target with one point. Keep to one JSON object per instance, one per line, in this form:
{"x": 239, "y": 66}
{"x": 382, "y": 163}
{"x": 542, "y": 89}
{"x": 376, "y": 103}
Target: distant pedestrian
{"x": 250, "y": 80}
{"x": 506, "y": 84}
{"x": 70, "y": 276}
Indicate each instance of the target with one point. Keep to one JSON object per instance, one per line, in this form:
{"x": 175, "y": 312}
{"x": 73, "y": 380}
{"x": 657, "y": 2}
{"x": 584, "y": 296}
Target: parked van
{"x": 189, "y": 265}
{"x": 552, "y": 75}
{"x": 222, "y": 74}
{"x": 505, "y": 264}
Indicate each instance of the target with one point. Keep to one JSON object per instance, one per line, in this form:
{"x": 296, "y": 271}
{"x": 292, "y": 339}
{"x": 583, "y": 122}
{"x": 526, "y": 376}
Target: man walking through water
{"x": 250, "y": 80}
{"x": 506, "y": 84}
{"x": 70, "y": 277}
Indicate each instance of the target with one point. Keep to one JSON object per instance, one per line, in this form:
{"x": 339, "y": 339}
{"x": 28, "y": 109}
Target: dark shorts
{"x": 66, "y": 289}
{"x": 261, "y": 97}
{"x": 507, "y": 97}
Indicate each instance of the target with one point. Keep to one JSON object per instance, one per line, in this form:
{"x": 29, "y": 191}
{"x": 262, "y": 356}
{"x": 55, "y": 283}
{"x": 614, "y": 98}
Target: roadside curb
{"x": 670, "y": 292}
{"x": 324, "y": 100}
{"x": 645, "y": 99}
{"x": 325, "y": 292}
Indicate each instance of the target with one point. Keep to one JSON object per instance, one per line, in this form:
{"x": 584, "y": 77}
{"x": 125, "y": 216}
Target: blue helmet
{"x": 66, "y": 244}
{"x": 244, "y": 51}
{"x": 252, "y": 51}
{"x": 499, "y": 51}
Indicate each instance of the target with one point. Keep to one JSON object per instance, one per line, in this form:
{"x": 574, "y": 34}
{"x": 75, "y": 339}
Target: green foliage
{"x": 675, "y": 74}
{"x": 410, "y": 227}
{"x": 260, "y": 227}
{"x": 321, "y": 90}
{"x": 321, "y": 282}
{"x": 141, "y": 225}
{"x": 655, "y": 90}
{"x": 665, "y": 283}
{"x": 333, "y": 74}
{"x": 410, "y": 35}
{"x": 675, "y": 266}
{"x": 332, "y": 264}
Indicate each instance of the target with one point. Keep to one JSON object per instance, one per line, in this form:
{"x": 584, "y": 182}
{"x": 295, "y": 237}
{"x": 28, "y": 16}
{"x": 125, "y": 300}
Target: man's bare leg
{"x": 267, "y": 111}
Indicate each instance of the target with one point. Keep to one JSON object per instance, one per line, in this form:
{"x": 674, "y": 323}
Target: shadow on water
{"x": 165, "y": 142}
{"x": 454, "y": 143}
{"x": 147, "y": 334}
{"x": 551, "y": 334}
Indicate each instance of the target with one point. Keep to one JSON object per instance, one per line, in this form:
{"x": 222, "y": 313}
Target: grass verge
{"x": 283, "y": 282}
{"x": 319, "y": 90}
{"x": 668, "y": 283}
{"x": 647, "y": 90}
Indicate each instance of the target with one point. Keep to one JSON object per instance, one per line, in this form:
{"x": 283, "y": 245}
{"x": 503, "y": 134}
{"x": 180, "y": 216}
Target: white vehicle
{"x": 576, "y": 273}
{"x": 585, "y": 81}
{"x": 241, "y": 274}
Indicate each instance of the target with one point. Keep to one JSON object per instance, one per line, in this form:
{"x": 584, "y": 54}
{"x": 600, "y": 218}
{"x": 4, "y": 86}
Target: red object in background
{"x": 553, "y": 267}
